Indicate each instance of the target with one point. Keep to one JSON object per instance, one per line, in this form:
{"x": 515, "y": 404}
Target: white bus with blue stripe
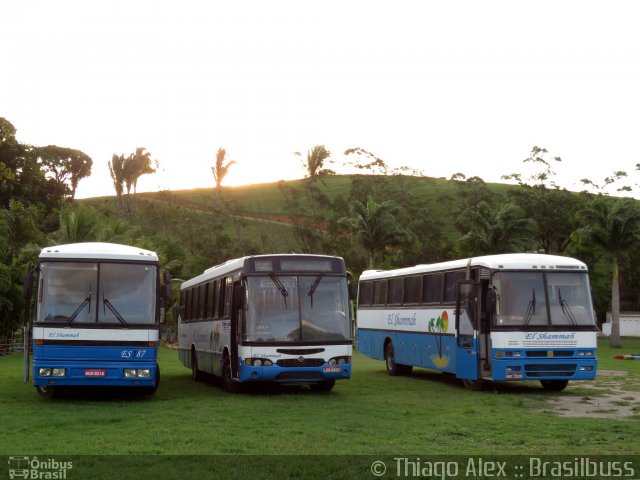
{"x": 268, "y": 318}
{"x": 510, "y": 317}
{"x": 96, "y": 318}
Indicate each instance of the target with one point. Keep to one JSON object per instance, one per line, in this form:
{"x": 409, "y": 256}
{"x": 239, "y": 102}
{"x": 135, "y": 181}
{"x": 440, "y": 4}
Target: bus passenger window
{"x": 365, "y": 295}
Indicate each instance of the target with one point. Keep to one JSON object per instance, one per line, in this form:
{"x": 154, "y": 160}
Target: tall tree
{"x": 66, "y": 165}
{"x": 137, "y": 164}
{"x": 375, "y": 227}
{"x": 489, "y": 230}
{"x": 314, "y": 164}
{"x": 221, "y": 168}
{"x": 118, "y": 174}
{"x": 613, "y": 227}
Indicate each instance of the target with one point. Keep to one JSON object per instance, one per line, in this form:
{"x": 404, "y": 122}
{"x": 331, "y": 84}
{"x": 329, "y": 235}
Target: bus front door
{"x": 467, "y": 338}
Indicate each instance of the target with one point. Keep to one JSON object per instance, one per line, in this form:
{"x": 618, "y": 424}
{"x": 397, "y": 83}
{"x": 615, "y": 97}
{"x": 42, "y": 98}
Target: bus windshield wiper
{"x": 283, "y": 290}
{"x": 85, "y": 302}
{"x": 314, "y": 286}
{"x": 113, "y": 310}
{"x": 566, "y": 309}
{"x": 531, "y": 309}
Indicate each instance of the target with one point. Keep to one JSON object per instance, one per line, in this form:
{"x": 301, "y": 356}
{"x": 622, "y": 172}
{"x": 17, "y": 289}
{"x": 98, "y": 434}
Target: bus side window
{"x": 183, "y": 310}
{"x": 211, "y": 310}
{"x": 216, "y": 299}
{"x": 202, "y": 301}
{"x": 432, "y": 288}
{"x": 187, "y": 305}
{"x": 395, "y": 291}
{"x": 365, "y": 294}
{"x": 450, "y": 281}
{"x": 379, "y": 292}
{"x": 412, "y": 290}
{"x": 227, "y": 297}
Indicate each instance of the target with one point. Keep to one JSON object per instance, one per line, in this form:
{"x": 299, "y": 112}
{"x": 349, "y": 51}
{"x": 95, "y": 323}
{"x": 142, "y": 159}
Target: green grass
{"x": 371, "y": 414}
{"x": 196, "y": 430}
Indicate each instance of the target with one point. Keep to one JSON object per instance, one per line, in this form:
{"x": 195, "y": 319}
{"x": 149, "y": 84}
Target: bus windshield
{"x": 542, "y": 299}
{"x": 289, "y": 308}
{"x": 78, "y": 292}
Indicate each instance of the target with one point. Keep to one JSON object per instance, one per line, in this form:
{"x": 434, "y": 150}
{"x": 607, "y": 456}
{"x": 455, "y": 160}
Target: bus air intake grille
{"x": 545, "y": 353}
{"x": 299, "y": 351}
{"x": 299, "y": 376}
{"x": 294, "y": 362}
{"x": 551, "y": 370}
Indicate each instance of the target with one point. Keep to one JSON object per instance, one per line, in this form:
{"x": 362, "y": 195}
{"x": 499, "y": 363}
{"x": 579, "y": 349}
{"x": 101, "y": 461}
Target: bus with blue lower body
{"x": 510, "y": 317}
{"x": 97, "y": 314}
{"x": 268, "y": 318}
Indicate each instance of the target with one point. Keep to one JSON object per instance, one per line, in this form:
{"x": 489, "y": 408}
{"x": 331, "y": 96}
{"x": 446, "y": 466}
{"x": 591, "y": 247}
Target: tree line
{"x": 388, "y": 218}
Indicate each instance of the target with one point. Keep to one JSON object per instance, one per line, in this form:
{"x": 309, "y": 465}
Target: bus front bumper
{"x": 304, "y": 375}
{"x": 65, "y": 373}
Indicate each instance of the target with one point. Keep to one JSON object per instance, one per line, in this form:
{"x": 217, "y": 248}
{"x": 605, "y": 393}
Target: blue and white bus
{"x": 268, "y": 318}
{"x": 96, "y": 318}
{"x": 493, "y": 318}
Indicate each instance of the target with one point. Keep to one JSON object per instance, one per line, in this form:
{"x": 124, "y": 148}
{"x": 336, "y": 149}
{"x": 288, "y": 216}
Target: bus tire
{"x": 48, "y": 391}
{"x": 554, "y": 385}
{"x": 394, "y": 369}
{"x": 228, "y": 384}
{"x": 475, "y": 385}
{"x": 323, "y": 386}
{"x": 196, "y": 374}
{"x": 152, "y": 390}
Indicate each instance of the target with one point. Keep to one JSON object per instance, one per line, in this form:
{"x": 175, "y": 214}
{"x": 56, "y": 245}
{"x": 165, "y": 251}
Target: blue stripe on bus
{"x": 428, "y": 350}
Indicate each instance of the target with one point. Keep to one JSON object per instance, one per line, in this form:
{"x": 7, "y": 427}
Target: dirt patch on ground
{"x": 613, "y": 397}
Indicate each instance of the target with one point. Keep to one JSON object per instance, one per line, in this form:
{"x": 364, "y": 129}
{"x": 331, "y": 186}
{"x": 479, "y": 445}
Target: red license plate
{"x": 95, "y": 372}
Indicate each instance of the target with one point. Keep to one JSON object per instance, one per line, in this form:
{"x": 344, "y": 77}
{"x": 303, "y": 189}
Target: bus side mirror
{"x": 353, "y": 290}
{"x": 492, "y": 299}
{"x": 166, "y": 287}
{"x": 27, "y": 286}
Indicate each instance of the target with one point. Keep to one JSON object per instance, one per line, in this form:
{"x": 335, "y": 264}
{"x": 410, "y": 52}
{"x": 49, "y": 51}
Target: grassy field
{"x": 370, "y": 414}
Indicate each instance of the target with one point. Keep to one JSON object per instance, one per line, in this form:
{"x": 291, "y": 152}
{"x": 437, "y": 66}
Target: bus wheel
{"x": 196, "y": 374}
{"x": 394, "y": 369}
{"x": 323, "y": 386}
{"x": 49, "y": 392}
{"x": 227, "y": 382}
{"x": 554, "y": 385}
{"x": 475, "y": 385}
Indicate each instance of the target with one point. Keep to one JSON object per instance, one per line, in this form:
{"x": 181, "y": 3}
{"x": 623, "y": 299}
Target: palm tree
{"x": 118, "y": 174}
{"x": 138, "y": 164}
{"x": 612, "y": 227}
{"x": 77, "y": 225}
{"x": 495, "y": 230}
{"x": 221, "y": 168}
{"x": 315, "y": 162}
{"x": 375, "y": 226}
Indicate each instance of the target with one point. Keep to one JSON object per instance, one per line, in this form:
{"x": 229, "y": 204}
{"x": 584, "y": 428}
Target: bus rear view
{"x": 96, "y": 318}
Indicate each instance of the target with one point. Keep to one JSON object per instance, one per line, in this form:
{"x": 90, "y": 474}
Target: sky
{"x": 443, "y": 87}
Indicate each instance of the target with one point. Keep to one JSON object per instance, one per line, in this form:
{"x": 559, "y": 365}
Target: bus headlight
{"x": 58, "y": 372}
{"x": 258, "y": 362}
{"x": 137, "y": 372}
{"x": 339, "y": 360}
{"x": 44, "y": 372}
